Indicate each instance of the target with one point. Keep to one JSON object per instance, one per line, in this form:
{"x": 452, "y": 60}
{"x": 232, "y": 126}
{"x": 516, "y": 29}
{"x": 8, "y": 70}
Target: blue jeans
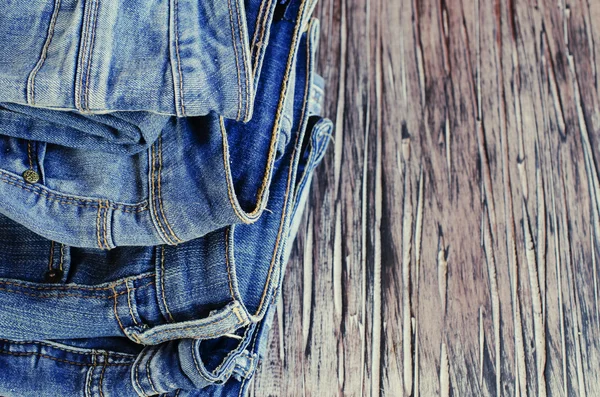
{"x": 196, "y": 177}
{"x": 184, "y": 319}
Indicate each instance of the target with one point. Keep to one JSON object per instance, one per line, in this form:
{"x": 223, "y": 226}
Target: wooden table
{"x": 452, "y": 238}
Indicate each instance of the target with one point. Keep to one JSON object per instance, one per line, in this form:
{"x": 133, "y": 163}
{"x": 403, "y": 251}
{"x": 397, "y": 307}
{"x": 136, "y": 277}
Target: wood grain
{"x": 450, "y": 246}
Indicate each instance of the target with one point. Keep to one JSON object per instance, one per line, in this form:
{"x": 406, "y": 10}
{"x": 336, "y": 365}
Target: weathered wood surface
{"x": 451, "y": 246}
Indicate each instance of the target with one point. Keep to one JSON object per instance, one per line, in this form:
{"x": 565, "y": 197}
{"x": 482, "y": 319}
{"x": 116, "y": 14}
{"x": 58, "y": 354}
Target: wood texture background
{"x": 451, "y": 246}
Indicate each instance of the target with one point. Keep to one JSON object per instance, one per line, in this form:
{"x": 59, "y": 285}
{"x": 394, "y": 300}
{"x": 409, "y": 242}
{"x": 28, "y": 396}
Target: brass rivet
{"x": 31, "y": 176}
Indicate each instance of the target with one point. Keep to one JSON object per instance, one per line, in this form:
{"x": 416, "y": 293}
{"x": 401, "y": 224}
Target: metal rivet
{"x": 54, "y": 276}
{"x": 31, "y": 176}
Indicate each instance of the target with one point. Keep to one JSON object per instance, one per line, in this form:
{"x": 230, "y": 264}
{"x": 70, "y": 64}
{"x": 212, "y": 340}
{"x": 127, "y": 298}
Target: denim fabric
{"x": 195, "y": 178}
{"x": 184, "y": 320}
{"x": 176, "y": 57}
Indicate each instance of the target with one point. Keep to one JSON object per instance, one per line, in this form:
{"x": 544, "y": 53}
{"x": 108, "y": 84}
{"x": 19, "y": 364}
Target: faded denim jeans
{"x": 172, "y": 294}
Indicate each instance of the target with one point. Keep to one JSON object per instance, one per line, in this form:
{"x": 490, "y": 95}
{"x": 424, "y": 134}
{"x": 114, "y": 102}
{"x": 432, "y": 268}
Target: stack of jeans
{"x": 155, "y": 159}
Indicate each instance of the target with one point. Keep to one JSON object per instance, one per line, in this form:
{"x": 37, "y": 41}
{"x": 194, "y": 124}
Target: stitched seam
{"x": 105, "y": 224}
{"x": 282, "y": 222}
{"x": 148, "y": 372}
{"x": 89, "y": 60}
{"x": 63, "y": 295}
{"x": 255, "y": 337}
{"x": 237, "y": 65}
{"x": 65, "y": 287}
{"x": 176, "y": 27}
{"x": 163, "y": 235}
{"x": 129, "y": 304}
{"x": 98, "y": 225}
{"x": 60, "y": 265}
{"x": 102, "y": 374}
{"x": 227, "y": 263}
{"x": 51, "y": 260}
{"x": 84, "y": 35}
{"x": 29, "y": 156}
{"x": 270, "y": 157}
{"x": 236, "y": 350}
{"x": 13, "y": 342}
{"x": 244, "y": 64}
{"x": 44, "y": 54}
{"x": 196, "y": 362}
{"x": 63, "y": 199}
{"x": 160, "y": 201}
{"x": 162, "y": 283}
{"x": 116, "y": 312}
{"x": 137, "y": 379}
{"x": 258, "y": 24}
{"x": 57, "y": 359}
{"x": 90, "y": 376}
{"x": 262, "y": 36}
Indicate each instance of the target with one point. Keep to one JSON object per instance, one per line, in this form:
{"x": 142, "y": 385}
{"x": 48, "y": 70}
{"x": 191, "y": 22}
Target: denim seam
{"x": 104, "y": 226}
{"x": 158, "y": 334}
{"x": 57, "y": 359}
{"x": 283, "y": 217}
{"x": 237, "y": 65}
{"x": 68, "y": 200}
{"x": 161, "y": 231}
{"x": 244, "y": 60}
{"x": 216, "y": 370}
{"x": 90, "y": 374}
{"x": 80, "y": 61}
{"x": 43, "y": 55}
{"x": 89, "y": 58}
{"x": 148, "y": 371}
{"x": 180, "y": 73}
{"x": 13, "y": 342}
{"x": 254, "y": 338}
{"x": 129, "y": 304}
{"x": 62, "y": 257}
{"x": 137, "y": 379}
{"x": 68, "y": 288}
{"x": 29, "y": 156}
{"x": 196, "y": 360}
{"x": 162, "y": 284}
{"x": 51, "y": 260}
{"x": 116, "y": 311}
{"x": 160, "y": 200}
{"x": 256, "y": 41}
{"x": 62, "y": 295}
{"x": 248, "y": 217}
{"x": 259, "y": 22}
{"x": 98, "y": 224}
{"x": 100, "y": 383}
{"x": 233, "y": 295}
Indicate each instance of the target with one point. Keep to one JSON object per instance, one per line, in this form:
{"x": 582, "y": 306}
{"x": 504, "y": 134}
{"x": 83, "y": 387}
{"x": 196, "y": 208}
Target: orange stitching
{"x": 63, "y": 199}
{"x": 29, "y": 157}
{"x": 137, "y": 380}
{"x": 105, "y": 224}
{"x": 155, "y": 198}
{"x": 89, "y": 63}
{"x": 116, "y": 313}
{"x": 258, "y": 22}
{"x": 14, "y": 342}
{"x": 162, "y": 283}
{"x": 56, "y": 359}
{"x": 237, "y": 65}
{"x": 40, "y": 63}
{"x": 102, "y": 374}
{"x": 60, "y": 265}
{"x": 244, "y": 56}
{"x": 227, "y": 263}
{"x": 80, "y": 60}
{"x": 129, "y": 304}
{"x": 98, "y": 226}
{"x": 66, "y": 287}
{"x": 91, "y": 375}
{"x": 51, "y": 255}
{"x": 285, "y": 202}
{"x": 148, "y": 371}
{"x": 176, "y": 27}
{"x": 262, "y": 36}
{"x": 160, "y": 202}
{"x": 63, "y": 295}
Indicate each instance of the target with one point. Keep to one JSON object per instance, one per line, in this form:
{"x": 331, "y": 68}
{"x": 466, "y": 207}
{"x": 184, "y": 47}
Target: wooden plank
{"x": 452, "y": 238}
